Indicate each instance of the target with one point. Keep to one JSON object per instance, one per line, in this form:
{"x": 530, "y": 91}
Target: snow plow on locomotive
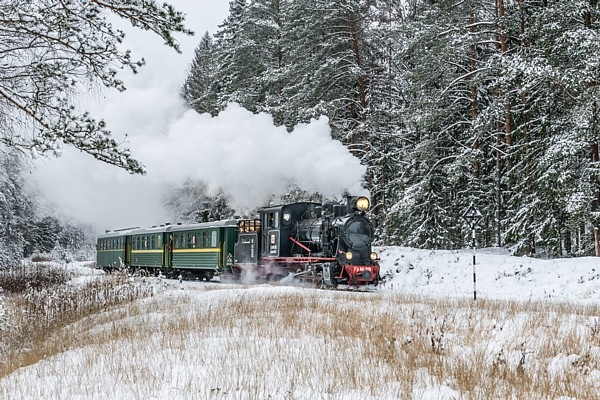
{"x": 328, "y": 244}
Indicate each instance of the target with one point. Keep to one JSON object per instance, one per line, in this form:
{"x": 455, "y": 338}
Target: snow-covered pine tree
{"x": 191, "y": 203}
{"x": 200, "y": 88}
{"x": 16, "y": 211}
{"x": 437, "y": 178}
{"x": 555, "y": 71}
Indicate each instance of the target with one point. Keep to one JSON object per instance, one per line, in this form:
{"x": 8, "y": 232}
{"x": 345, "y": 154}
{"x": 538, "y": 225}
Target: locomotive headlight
{"x": 349, "y": 255}
{"x": 362, "y": 204}
{"x": 374, "y": 256}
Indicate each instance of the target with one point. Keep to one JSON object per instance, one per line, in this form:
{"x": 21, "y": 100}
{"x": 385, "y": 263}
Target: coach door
{"x": 168, "y": 250}
{"x": 127, "y": 248}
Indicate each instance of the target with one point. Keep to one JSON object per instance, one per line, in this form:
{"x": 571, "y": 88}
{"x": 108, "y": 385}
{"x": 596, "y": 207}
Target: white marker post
{"x": 472, "y": 216}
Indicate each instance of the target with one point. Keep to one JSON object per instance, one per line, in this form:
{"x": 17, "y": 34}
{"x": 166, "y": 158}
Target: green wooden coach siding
{"x": 110, "y": 258}
{"x": 147, "y": 258}
{"x": 196, "y": 258}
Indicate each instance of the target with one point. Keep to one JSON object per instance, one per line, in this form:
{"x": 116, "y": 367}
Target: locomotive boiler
{"x": 328, "y": 244}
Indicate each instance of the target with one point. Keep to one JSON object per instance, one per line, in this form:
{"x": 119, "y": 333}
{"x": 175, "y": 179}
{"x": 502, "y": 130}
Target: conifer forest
{"x": 447, "y": 103}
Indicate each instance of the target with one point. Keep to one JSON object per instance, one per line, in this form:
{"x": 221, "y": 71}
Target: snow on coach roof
{"x": 169, "y": 228}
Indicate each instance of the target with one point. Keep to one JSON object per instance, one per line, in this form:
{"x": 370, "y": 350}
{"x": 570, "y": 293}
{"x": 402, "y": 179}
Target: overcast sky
{"x": 242, "y": 153}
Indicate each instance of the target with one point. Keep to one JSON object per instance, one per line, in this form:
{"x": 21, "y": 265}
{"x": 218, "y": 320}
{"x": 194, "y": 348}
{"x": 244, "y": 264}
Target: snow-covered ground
{"x": 421, "y": 338}
{"x": 497, "y": 275}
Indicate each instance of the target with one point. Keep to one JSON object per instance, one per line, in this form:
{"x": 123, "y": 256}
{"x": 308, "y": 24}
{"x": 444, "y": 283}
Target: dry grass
{"x": 279, "y": 343}
{"x": 37, "y": 312}
{"x": 22, "y": 277}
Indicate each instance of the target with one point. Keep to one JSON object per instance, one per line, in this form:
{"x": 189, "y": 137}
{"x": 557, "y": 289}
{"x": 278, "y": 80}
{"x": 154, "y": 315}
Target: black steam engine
{"x": 328, "y": 243}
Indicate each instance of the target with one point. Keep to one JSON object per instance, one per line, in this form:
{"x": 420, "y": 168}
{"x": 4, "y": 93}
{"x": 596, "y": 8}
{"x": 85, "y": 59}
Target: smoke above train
{"x": 251, "y": 159}
{"x": 244, "y": 154}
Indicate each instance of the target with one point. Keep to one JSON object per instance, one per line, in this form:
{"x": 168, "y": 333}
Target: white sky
{"x": 244, "y": 154}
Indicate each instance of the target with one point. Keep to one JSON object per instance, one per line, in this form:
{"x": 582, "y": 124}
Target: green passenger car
{"x": 202, "y": 249}
{"x": 111, "y": 250}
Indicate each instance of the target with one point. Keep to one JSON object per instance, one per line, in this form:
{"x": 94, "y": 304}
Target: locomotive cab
{"x": 279, "y": 224}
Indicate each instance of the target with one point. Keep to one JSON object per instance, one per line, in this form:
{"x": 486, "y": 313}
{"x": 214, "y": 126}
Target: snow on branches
{"x": 54, "y": 49}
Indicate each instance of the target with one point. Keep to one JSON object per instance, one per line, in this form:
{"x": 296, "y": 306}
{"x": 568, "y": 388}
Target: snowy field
{"x": 499, "y": 276}
{"x": 533, "y": 333}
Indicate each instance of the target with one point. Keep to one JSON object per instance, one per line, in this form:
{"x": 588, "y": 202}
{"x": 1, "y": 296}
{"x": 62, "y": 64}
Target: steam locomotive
{"x": 326, "y": 244}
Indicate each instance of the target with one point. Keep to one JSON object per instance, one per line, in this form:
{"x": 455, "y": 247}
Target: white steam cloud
{"x": 250, "y": 158}
{"x": 241, "y": 153}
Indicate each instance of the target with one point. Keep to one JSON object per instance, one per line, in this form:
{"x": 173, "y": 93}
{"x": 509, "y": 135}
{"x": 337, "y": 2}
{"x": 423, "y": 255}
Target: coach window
{"x": 204, "y": 239}
{"x": 213, "y": 239}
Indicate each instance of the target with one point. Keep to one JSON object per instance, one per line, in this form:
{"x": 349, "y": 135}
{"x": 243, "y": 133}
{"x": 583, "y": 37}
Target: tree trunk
{"x": 474, "y": 105}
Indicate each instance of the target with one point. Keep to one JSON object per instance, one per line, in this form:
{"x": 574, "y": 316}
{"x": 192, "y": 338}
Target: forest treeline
{"x": 26, "y": 229}
{"x": 447, "y": 103}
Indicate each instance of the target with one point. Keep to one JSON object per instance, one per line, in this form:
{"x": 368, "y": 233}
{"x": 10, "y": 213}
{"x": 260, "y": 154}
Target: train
{"x": 326, "y": 244}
